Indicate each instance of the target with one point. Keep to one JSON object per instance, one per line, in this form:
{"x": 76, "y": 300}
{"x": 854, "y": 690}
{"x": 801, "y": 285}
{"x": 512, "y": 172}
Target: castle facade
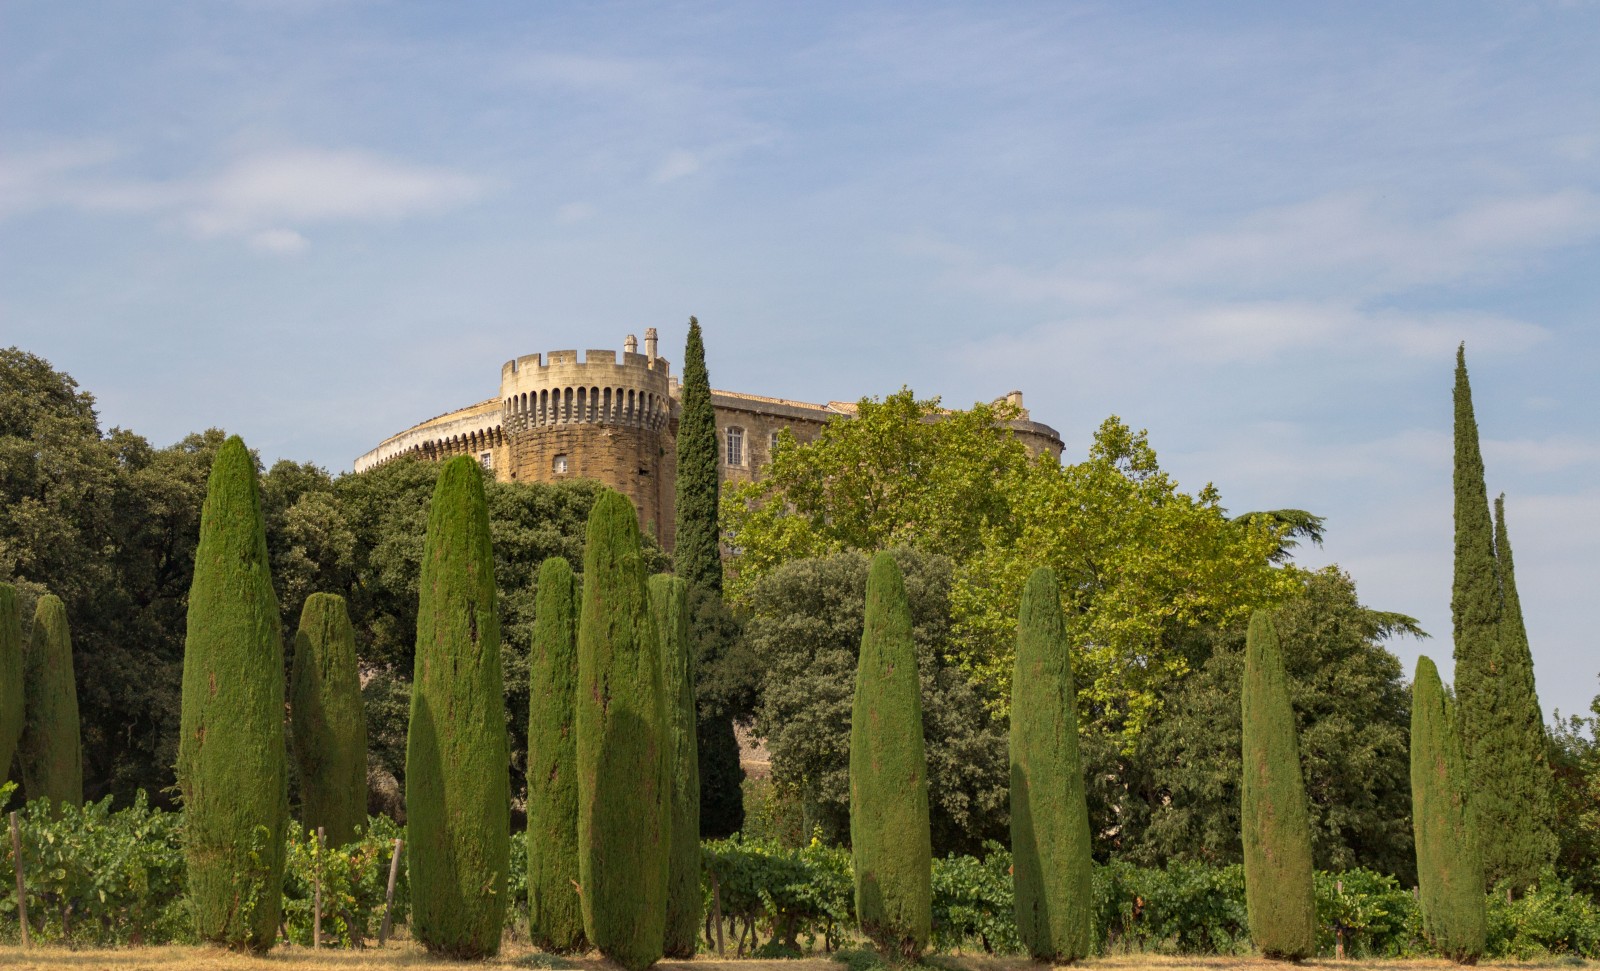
{"x": 615, "y": 421}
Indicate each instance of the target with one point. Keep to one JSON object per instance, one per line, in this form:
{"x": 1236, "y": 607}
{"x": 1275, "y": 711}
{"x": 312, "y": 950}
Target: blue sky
{"x": 1257, "y": 230}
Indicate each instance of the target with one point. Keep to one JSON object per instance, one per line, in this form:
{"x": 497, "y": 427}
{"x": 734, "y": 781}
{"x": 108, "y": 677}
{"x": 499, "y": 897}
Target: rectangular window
{"x": 735, "y": 446}
{"x": 486, "y": 460}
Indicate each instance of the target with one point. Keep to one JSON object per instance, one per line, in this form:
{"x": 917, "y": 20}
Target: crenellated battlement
{"x": 560, "y": 389}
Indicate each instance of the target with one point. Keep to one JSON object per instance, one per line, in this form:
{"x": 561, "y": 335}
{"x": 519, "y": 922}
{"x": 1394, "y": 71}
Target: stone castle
{"x": 616, "y": 421}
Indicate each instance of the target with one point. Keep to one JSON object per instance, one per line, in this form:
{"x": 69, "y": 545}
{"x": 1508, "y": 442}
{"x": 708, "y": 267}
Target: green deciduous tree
{"x": 1353, "y": 715}
{"x": 555, "y": 914}
{"x": 457, "y": 788}
{"x": 670, "y": 602}
{"x": 1276, "y": 831}
{"x": 50, "y": 751}
{"x": 889, "y": 834}
{"x": 232, "y": 767}
{"x": 11, "y": 677}
{"x": 328, "y": 722}
{"x": 1049, "y": 816}
{"x": 623, "y": 786}
{"x": 1449, "y": 869}
{"x": 805, "y": 629}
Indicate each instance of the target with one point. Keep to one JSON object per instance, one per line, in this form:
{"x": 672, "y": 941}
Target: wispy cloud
{"x": 266, "y": 198}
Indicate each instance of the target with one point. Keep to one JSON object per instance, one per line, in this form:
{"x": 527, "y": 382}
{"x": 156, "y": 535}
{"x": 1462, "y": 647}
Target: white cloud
{"x": 260, "y": 198}
{"x": 575, "y": 212}
{"x": 678, "y": 164}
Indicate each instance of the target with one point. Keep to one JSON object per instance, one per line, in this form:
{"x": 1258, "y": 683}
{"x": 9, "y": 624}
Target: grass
{"x": 410, "y": 957}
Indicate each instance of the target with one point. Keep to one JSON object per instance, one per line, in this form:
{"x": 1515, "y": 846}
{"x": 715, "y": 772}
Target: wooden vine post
{"x": 716, "y": 910}
{"x": 22, "y": 894}
{"x": 316, "y": 891}
{"x": 388, "y": 897}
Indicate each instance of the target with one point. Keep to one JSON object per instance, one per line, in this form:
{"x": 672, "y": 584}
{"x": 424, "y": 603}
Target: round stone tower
{"x": 599, "y": 418}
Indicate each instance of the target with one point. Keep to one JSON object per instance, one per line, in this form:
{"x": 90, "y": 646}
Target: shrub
{"x": 355, "y": 876}
{"x": 329, "y": 723}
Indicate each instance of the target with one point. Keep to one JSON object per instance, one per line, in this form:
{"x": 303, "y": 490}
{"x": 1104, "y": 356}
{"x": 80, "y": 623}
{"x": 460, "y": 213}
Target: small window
{"x": 486, "y": 459}
{"x": 735, "y": 445}
{"x": 559, "y": 464}
{"x": 772, "y": 445}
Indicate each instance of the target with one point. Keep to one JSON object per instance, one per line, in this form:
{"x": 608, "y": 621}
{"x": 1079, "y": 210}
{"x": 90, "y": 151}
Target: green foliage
{"x": 457, "y": 789}
{"x": 805, "y": 628}
{"x": 555, "y": 915}
{"x": 328, "y": 724}
{"x": 697, "y": 548}
{"x": 1184, "y": 908}
{"x": 50, "y": 751}
{"x": 670, "y": 603}
{"x": 1276, "y": 831}
{"x": 804, "y": 895}
{"x": 623, "y": 782}
{"x": 1352, "y": 714}
{"x": 354, "y": 877}
{"x": 1049, "y": 816}
{"x": 232, "y": 767}
{"x": 1374, "y": 915}
{"x": 974, "y": 902}
{"x": 1449, "y": 869}
{"x": 889, "y": 835}
{"x": 12, "y": 677}
{"x": 727, "y": 689}
{"x": 1548, "y": 918}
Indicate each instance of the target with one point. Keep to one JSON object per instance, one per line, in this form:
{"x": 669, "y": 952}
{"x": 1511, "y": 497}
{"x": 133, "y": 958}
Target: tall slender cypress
{"x": 697, "y": 548}
{"x": 555, "y": 913}
{"x": 697, "y": 558}
{"x": 458, "y": 786}
{"x": 1475, "y": 604}
{"x": 328, "y": 720}
{"x": 51, "y": 750}
{"x": 1275, "y": 820}
{"x": 232, "y": 765}
{"x": 890, "y": 840}
{"x": 1519, "y": 807}
{"x": 669, "y": 596}
{"x": 1449, "y": 869}
{"x": 623, "y": 788}
{"x": 1050, "y": 848}
{"x": 11, "y": 677}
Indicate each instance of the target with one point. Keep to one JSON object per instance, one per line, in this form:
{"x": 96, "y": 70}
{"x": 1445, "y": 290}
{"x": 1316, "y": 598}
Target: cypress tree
{"x": 232, "y": 766}
{"x": 697, "y": 548}
{"x": 697, "y": 558}
{"x": 1449, "y": 870}
{"x": 1050, "y": 846}
{"x": 328, "y": 720}
{"x": 1276, "y": 828}
{"x": 555, "y": 913}
{"x": 623, "y": 788}
{"x": 669, "y": 597}
{"x": 458, "y": 786}
{"x": 1519, "y": 807}
{"x": 51, "y": 751}
{"x": 11, "y": 677}
{"x": 1475, "y": 594}
{"x": 891, "y": 845}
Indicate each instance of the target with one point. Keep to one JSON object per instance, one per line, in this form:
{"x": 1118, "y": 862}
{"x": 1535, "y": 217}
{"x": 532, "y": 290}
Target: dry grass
{"x": 410, "y": 957}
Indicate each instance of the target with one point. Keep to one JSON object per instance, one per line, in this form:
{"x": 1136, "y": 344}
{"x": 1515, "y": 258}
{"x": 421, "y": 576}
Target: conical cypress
{"x": 1518, "y": 807}
{"x": 697, "y": 549}
{"x": 52, "y": 756}
{"x": 623, "y": 789}
{"x": 232, "y": 767}
{"x": 555, "y": 913}
{"x": 11, "y": 677}
{"x": 889, "y": 836}
{"x": 329, "y": 722}
{"x": 1275, "y": 822}
{"x": 1475, "y": 595}
{"x": 669, "y": 597}
{"x": 1050, "y": 846}
{"x": 1449, "y": 870}
{"x": 458, "y": 786}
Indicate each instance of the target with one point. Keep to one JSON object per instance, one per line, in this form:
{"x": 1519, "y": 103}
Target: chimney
{"x": 631, "y": 344}
{"x": 650, "y": 343}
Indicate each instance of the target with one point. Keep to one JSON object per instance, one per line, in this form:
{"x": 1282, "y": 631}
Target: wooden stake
{"x": 22, "y": 893}
{"x": 1338, "y": 948}
{"x": 316, "y": 892}
{"x": 716, "y": 909}
{"x": 388, "y": 898}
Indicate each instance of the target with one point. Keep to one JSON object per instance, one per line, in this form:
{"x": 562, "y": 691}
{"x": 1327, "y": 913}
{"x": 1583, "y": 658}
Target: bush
{"x": 974, "y": 903}
{"x": 1379, "y": 917}
{"x": 797, "y": 894}
{"x": 354, "y": 879}
{"x": 1549, "y": 918}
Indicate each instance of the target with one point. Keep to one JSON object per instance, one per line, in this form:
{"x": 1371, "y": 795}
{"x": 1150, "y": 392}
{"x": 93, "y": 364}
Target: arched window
{"x": 735, "y": 456}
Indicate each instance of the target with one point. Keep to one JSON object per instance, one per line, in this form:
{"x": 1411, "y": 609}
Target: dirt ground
{"x": 408, "y": 956}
